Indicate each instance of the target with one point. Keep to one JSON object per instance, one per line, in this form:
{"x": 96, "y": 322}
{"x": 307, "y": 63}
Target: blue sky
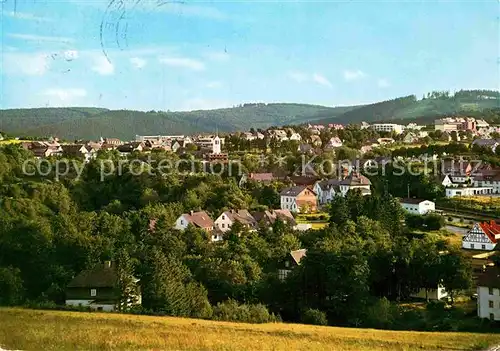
{"x": 200, "y": 55}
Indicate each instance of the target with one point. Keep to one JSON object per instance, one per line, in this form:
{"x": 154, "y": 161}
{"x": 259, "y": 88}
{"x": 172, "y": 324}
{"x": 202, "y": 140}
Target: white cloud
{"x": 190, "y": 10}
{"x": 183, "y": 62}
{"x": 138, "y": 62}
{"x": 65, "y": 95}
{"x": 302, "y": 77}
{"x": 214, "y": 85}
{"x": 35, "y": 64}
{"x": 353, "y": 75}
{"x": 322, "y": 80}
{"x": 26, "y": 16}
{"x": 217, "y": 56}
{"x": 103, "y": 66}
{"x": 383, "y": 83}
{"x": 40, "y": 38}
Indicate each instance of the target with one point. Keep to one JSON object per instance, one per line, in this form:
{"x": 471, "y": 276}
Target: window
{"x": 93, "y": 292}
{"x": 99, "y": 308}
{"x": 182, "y": 222}
{"x": 223, "y": 217}
{"x": 490, "y": 304}
{"x": 471, "y": 246}
{"x": 492, "y": 316}
{"x": 490, "y": 291}
{"x": 483, "y": 247}
{"x": 287, "y": 264}
{"x": 223, "y": 225}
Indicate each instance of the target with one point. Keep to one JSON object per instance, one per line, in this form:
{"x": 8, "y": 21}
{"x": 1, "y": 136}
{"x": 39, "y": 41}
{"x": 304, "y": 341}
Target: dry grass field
{"x": 23, "y": 329}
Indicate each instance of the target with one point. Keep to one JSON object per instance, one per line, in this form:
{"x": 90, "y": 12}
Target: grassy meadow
{"x": 24, "y": 329}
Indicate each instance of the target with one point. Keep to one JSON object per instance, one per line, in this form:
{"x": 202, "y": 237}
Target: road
{"x": 457, "y": 230}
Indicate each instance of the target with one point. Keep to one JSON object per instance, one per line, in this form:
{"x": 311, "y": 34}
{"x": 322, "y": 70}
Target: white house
{"x": 333, "y": 143}
{"x": 326, "y": 190}
{"x": 225, "y": 221}
{"x": 418, "y": 206}
{"x": 298, "y": 198}
{"x": 388, "y": 127}
{"x": 468, "y": 191}
{"x": 295, "y": 137}
{"x": 488, "y": 294}
{"x": 482, "y": 236}
{"x": 198, "y": 219}
{"x": 355, "y": 181}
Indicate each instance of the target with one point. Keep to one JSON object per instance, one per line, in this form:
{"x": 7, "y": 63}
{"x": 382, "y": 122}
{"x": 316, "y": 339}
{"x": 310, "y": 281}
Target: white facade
{"x": 296, "y": 137}
{"x": 289, "y": 203}
{"x": 216, "y": 146}
{"x": 488, "y": 303}
{"x": 420, "y": 208}
{"x": 495, "y": 184}
{"x": 181, "y": 223}
{"x": 223, "y": 222}
{"x": 476, "y": 239}
{"x": 388, "y": 127}
{"x": 468, "y": 191}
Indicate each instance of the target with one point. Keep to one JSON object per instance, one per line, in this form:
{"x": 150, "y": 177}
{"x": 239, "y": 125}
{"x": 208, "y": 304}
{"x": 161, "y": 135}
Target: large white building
{"x": 388, "y": 127}
{"x": 488, "y": 294}
{"x": 418, "y": 206}
{"x": 468, "y": 191}
{"x": 482, "y": 236}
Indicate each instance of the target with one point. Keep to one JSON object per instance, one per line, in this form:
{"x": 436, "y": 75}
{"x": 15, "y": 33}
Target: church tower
{"x": 216, "y": 145}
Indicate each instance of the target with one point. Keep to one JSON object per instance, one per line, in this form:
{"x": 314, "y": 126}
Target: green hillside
{"x": 74, "y": 123}
{"x": 91, "y": 123}
{"x": 435, "y": 104}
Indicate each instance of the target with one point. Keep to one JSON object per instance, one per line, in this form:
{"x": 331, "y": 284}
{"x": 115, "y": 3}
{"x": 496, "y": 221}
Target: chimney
{"x": 232, "y": 211}
{"x": 191, "y": 212}
{"x": 107, "y": 264}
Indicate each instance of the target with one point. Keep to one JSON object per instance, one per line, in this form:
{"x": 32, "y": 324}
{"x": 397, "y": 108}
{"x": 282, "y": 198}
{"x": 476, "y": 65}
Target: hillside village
{"x": 456, "y": 159}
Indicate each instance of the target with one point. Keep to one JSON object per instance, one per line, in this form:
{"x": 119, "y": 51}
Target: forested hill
{"x": 76, "y": 123}
{"x": 91, "y": 123}
{"x": 431, "y": 105}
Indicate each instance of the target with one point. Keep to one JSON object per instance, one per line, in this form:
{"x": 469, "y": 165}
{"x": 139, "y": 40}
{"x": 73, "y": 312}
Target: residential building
{"x": 225, "y": 221}
{"x": 290, "y": 262}
{"x": 305, "y": 148}
{"x": 333, "y": 143}
{"x": 78, "y": 151}
{"x": 388, "y": 127}
{"x": 355, "y": 181}
{"x": 128, "y": 148}
{"x": 326, "y": 190}
{"x": 268, "y": 217}
{"x": 256, "y": 177}
{"x": 112, "y": 141}
{"x": 316, "y": 140}
{"x": 198, "y": 219}
{"x": 385, "y": 141}
{"x": 488, "y": 178}
{"x": 417, "y": 206}
{"x": 488, "y": 294}
{"x": 482, "y": 236}
{"x": 295, "y": 137}
{"x": 487, "y": 143}
{"x": 481, "y": 123}
{"x": 364, "y": 125}
{"x": 450, "y": 124}
{"x": 98, "y": 289}
{"x": 410, "y": 138}
{"x": 298, "y": 199}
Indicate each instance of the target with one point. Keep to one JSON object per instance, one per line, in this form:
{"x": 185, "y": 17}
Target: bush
{"x": 381, "y": 314}
{"x": 315, "y": 317}
{"x": 231, "y": 311}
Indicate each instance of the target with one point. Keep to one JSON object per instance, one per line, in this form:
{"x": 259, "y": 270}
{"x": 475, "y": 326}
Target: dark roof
{"x": 101, "y": 276}
{"x": 73, "y": 149}
{"x": 242, "y": 216}
{"x": 485, "y": 142}
{"x": 490, "y": 278}
{"x": 356, "y": 179}
{"x": 272, "y": 215}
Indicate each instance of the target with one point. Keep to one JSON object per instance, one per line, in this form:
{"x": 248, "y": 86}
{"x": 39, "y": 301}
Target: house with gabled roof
{"x": 98, "y": 288}
{"x": 488, "y": 294}
{"x": 355, "y": 180}
{"x": 226, "y": 220}
{"x": 267, "y": 218}
{"x": 199, "y": 219}
{"x": 299, "y": 198}
{"x": 333, "y": 143}
{"x": 257, "y": 177}
{"x": 290, "y": 262}
{"x": 482, "y": 236}
{"x": 326, "y": 190}
{"x": 77, "y": 150}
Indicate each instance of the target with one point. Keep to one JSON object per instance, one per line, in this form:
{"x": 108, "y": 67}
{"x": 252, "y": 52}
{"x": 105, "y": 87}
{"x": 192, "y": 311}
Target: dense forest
{"x": 92, "y": 123}
{"x": 356, "y": 270}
